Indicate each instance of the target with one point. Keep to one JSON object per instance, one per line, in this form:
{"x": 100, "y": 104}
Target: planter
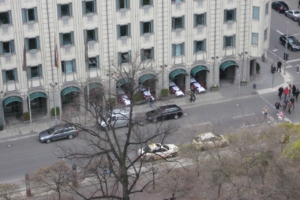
{"x": 244, "y": 83}
{"x": 212, "y": 89}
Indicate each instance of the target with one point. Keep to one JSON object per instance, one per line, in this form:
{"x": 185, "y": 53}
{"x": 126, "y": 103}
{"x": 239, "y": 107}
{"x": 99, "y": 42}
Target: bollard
{"x": 297, "y": 68}
{"x": 27, "y": 183}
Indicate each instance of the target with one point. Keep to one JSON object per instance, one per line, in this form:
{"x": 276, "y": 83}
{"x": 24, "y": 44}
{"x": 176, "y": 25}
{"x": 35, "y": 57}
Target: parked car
{"x": 280, "y": 6}
{"x": 122, "y": 97}
{"x": 175, "y": 90}
{"x": 156, "y": 151}
{"x": 164, "y": 113}
{"x": 293, "y": 14}
{"x": 146, "y": 94}
{"x": 209, "y": 140}
{"x": 196, "y": 86}
{"x": 58, "y": 132}
{"x": 292, "y": 44}
{"x": 118, "y": 118}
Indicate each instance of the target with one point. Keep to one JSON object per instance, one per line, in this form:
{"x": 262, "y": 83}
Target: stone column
{"x": 25, "y": 104}
{"x": 187, "y": 83}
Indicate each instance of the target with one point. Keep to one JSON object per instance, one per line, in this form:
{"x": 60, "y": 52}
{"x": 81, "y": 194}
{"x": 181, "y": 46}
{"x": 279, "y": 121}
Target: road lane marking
{"x": 279, "y": 32}
{"x": 204, "y": 123}
{"x": 243, "y": 115}
{"x": 295, "y": 60}
{"x": 17, "y": 138}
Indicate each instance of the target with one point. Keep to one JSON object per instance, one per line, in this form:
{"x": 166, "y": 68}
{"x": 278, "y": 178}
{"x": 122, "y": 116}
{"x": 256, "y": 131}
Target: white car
{"x": 175, "y": 90}
{"x": 125, "y": 100}
{"x": 209, "y": 140}
{"x": 146, "y": 94}
{"x": 156, "y": 151}
{"x": 195, "y": 85}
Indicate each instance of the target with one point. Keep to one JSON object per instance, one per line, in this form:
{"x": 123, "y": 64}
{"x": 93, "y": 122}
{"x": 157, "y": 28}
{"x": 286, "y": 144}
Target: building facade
{"x": 213, "y": 41}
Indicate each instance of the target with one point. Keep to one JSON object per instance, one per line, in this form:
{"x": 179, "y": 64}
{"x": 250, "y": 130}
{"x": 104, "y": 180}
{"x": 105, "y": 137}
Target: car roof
{"x": 207, "y": 135}
{"x": 62, "y": 126}
{"x": 169, "y": 106}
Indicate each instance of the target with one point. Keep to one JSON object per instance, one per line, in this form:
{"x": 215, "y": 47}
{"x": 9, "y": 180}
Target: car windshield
{"x": 146, "y": 149}
{"x": 166, "y": 147}
{"x": 296, "y": 12}
{"x": 50, "y": 131}
{"x": 293, "y": 40}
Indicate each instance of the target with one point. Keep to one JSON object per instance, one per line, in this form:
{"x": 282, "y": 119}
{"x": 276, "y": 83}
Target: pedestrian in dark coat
{"x": 279, "y": 64}
{"x": 297, "y": 94}
{"x": 285, "y": 103}
{"x": 294, "y": 90}
{"x": 285, "y": 92}
{"x": 293, "y": 102}
{"x": 193, "y": 97}
{"x": 277, "y": 106}
{"x": 289, "y": 106}
{"x": 280, "y": 91}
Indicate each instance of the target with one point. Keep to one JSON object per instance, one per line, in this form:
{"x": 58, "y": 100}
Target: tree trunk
{"x": 219, "y": 190}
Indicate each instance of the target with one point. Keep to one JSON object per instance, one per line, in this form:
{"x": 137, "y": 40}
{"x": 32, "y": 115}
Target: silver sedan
{"x": 293, "y": 14}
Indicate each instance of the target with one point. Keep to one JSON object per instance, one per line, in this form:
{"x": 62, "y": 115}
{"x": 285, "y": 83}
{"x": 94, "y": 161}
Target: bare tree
{"x": 8, "y": 191}
{"x": 110, "y": 148}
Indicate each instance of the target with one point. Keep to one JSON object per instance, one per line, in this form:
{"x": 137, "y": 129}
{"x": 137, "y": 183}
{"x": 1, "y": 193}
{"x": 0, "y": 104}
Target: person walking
{"x": 290, "y": 90}
{"x": 285, "y": 103}
{"x": 292, "y": 100}
{"x": 265, "y": 111}
{"x": 294, "y": 90}
{"x": 279, "y": 64}
{"x": 289, "y": 106}
{"x": 193, "y": 97}
{"x": 285, "y": 92}
{"x": 297, "y": 94}
{"x": 150, "y": 102}
{"x": 280, "y": 91}
{"x": 277, "y": 106}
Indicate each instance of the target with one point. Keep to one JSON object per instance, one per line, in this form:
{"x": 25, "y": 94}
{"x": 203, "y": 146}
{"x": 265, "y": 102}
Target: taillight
{"x": 280, "y": 8}
{"x": 180, "y": 111}
{"x": 77, "y": 131}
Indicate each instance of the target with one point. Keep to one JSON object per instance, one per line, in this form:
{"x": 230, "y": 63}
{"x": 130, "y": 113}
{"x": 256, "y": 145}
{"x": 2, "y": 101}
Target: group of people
{"x": 291, "y": 94}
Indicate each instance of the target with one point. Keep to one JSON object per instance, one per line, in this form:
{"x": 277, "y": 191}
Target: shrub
{"x": 257, "y": 67}
{"x": 26, "y": 116}
{"x": 293, "y": 151}
{"x": 112, "y": 101}
{"x": 138, "y": 97}
{"x": 164, "y": 92}
{"x": 53, "y": 111}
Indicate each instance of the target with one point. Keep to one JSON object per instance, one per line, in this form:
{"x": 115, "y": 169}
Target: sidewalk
{"x": 263, "y": 83}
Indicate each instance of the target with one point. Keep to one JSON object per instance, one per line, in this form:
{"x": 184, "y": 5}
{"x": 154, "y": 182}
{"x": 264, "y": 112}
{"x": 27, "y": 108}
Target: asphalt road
{"x": 27, "y": 155}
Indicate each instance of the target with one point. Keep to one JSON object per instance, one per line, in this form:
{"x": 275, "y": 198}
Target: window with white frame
{"x": 122, "y": 4}
{"x": 229, "y": 41}
{"x": 5, "y": 18}
{"x": 124, "y": 57}
{"x": 176, "y": 1}
{"x": 177, "y": 23}
{"x": 200, "y": 19}
{"x": 254, "y": 39}
{"x": 34, "y": 72}
{"x": 89, "y": 6}
{"x": 29, "y": 15}
{"x": 32, "y": 43}
{"x": 66, "y": 38}
{"x": 229, "y": 15}
{"x": 147, "y": 54}
{"x": 123, "y": 30}
{"x": 64, "y": 10}
{"x": 7, "y": 47}
{"x": 177, "y": 49}
{"x": 255, "y": 12}
{"x": 91, "y": 35}
{"x": 93, "y": 63}
{"x": 266, "y": 34}
{"x": 199, "y": 46}
{"x": 146, "y": 27}
{"x": 267, "y": 8}
{"x": 146, "y": 2}
{"x": 9, "y": 75}
{"x": 68, "y": 67}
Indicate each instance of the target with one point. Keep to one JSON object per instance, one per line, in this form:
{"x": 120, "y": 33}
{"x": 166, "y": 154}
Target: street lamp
{"x": 53, "y": 86}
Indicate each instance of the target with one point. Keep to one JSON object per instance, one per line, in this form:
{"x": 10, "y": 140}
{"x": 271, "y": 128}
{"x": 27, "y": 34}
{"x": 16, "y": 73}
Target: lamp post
{"x": 273, "y": 65}
{"x": 285, "y": 50}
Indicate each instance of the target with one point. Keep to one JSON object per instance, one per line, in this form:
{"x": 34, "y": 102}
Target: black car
{"x": 280, "y": 6}
{"x": 57, "y": 133}
{"x": 293, "y": 44}
{"x": 164, "y": 112}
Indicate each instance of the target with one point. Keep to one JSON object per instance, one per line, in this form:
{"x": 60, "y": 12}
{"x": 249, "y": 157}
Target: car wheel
{"x": 299, "y": 23}
{"x": 71, "y": 136}
{"x": 290, "y": 48}
{"x": 48, "y": 141}
{"x": 175, "y": 154}
{"x": 176, "y": 117}
{"x": 151, "y": 159}
{"x": 281, "y": 42}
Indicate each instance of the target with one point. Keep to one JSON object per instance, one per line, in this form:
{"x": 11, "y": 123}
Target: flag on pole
{"x": 86, "y": 49}
{"x": 56, "y": 62}
{"x": 24, "y": 66}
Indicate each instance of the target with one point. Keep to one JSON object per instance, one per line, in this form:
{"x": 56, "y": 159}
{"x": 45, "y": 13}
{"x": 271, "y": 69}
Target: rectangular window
{"x": 9, "y": 75}
{"x": 29, "y": 15}
{"x": 66, "y": 38}
{"x": 124, "y": 57}
{"x": 176, "y": 1}
{"x": 68, "y": 66}
{"x": 7, "y": 47}
{"x": 123, "y": 30}
{"x": 92, "y": 35}
{"x": 123, "y": 4}
{"x": 255, "y": 12}
{"x": 177, "y": 23}
{"x": 254, "y": 39}
{"x": 199, "y": 46}
{"x": 266, "y": 34}
{"x": 200, "y": 19}
{"x": 267, "y": 8}
{"x": 147, "y": 54}
{"x": 64, "y": 10}
{"x": 89, "y": 7}
{"x": 146, "y": 27}
{"x": 229, "y": 41}
{"x": 93, "y": 62}
{"x": 229, "y": 15}
{"x": 146, "y": 2}
{"x": 32, "y": 43}
{"x": 5, "y": 18}
{"x": 34, "y": 72}
{"x": 177, "y": 49}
